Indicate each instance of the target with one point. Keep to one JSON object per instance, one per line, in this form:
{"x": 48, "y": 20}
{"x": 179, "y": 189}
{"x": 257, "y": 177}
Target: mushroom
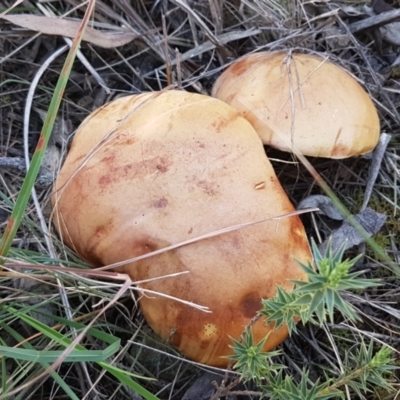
{"x": 151, "y": 170}
{"x": 301, "y": 103}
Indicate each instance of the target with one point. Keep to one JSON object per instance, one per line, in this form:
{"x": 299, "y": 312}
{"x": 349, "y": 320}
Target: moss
{"x": 344, "y": 339}
{"x": 391, "y": 231}
{"x": 395, "y": 72}
{"x": 5, "y": 100}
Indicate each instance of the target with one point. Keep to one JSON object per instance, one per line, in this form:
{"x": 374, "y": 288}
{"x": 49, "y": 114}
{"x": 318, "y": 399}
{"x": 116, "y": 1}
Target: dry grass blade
{"x": 216, "y": 13}
{"x": 185, "y": 6}
{"x": 69, "y": 28}
{"x": 375, "y": 21}
{"x": 209, "y": 45}
{"x": 100, "y": 273}
{"x": 205, "y": 236}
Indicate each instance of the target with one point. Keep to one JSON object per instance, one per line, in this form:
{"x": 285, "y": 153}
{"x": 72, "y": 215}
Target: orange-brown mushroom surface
{"x": 151, "y": 170}
{"x": 301, "y": 103}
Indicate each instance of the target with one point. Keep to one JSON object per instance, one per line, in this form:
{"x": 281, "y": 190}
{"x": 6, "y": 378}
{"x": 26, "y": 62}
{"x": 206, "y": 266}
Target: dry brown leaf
{"x": 69, "y": 28}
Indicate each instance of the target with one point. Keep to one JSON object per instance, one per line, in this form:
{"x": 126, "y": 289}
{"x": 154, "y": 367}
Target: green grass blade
{"x": 51, "y": 356}
{"x": 350, "y": 217}
{"x": 126, "y": 380}
{"x": 79, "y": 354}
{"x": 31, "y": 175}
{"x": 3, "y": 374}
{"x": 57, "y": 378}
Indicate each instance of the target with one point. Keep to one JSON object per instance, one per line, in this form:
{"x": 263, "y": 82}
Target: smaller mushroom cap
{"x": 301, "y": 103}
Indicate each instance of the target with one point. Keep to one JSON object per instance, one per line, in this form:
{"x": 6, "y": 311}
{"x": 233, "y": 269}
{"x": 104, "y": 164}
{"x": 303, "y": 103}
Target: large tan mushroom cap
{"x": 301, "y": 103}
{"x": 152, "y": 170}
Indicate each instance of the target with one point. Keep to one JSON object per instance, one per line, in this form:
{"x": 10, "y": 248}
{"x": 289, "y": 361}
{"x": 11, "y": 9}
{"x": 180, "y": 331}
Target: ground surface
{"x": 188, "y": 43}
